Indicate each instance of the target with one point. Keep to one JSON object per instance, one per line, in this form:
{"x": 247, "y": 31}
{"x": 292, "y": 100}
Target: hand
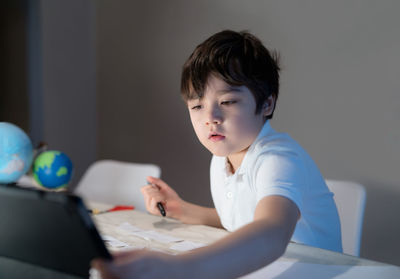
{"x": 141, "y": 264}
{"x": 159, "y": 191}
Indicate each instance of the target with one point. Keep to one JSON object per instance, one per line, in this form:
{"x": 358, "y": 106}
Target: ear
{"x": 269, "y": 105}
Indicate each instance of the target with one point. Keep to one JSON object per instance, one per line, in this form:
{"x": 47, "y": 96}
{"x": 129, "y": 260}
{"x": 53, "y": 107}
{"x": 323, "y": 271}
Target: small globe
{"x": 16, "y": 152}
{"x": 52, "y": 169}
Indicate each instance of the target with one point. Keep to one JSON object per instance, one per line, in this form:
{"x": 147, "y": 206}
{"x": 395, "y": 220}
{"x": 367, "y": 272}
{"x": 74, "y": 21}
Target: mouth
{"x": 215, "y": 137}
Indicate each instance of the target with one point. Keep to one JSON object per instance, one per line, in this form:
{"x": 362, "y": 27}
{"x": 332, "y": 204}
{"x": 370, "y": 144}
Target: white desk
{"x": 299, "y": 261}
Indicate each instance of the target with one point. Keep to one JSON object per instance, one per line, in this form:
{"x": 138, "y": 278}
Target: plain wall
{"x": 62, "y": 79}
{"x": 339, "y": 92}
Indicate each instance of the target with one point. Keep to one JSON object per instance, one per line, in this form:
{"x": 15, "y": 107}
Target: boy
{"x": 265, "y": 187}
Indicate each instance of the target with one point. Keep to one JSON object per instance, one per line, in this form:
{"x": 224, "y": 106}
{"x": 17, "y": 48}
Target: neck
{"x": 236, "y": 159}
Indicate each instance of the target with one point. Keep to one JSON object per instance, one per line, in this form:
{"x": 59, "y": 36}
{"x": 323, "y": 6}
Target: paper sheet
{"x": 186, "y": 245}
{"x": 148, "y": 235}
{"x": 113, "y": 242}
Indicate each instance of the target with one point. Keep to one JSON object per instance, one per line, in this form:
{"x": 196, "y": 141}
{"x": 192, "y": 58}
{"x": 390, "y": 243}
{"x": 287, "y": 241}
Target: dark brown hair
{"x": 239, "y": 59}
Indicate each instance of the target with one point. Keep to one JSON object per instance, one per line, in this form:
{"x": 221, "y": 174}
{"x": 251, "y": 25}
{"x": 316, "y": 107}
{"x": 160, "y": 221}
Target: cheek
{"x": 196, "y": 125}
{"x": 248, "y": 127}
{"x": 241, "y": 123}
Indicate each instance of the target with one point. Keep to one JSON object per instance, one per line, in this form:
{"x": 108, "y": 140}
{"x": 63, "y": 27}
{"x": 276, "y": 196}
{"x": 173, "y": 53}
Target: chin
{"x": 219, "y": 153}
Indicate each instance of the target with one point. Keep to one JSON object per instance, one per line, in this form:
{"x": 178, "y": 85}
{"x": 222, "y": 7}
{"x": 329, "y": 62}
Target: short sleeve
{"x": 282, "y": 174}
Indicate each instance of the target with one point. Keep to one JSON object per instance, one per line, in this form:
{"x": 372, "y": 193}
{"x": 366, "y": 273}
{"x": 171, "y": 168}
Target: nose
{"x": 214, "y": 116}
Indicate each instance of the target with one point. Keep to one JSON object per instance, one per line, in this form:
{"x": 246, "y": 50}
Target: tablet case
{"x": 49, "y": 229}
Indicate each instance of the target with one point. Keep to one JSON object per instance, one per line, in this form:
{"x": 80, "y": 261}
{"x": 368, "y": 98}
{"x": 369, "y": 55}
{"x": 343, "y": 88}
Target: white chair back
{"x": 350, "y": 198}
{"x": 116, "y": 183}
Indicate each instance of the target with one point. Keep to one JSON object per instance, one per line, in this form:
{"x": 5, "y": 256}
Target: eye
{"x": 229, "y": 102}
{"x": 197, "y": 107}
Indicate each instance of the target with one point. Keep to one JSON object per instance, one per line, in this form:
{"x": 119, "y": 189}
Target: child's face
{"x": 224, "y": 119}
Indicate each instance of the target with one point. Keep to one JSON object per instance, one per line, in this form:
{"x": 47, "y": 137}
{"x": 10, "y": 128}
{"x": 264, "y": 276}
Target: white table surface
{"x": 299, "y": 260}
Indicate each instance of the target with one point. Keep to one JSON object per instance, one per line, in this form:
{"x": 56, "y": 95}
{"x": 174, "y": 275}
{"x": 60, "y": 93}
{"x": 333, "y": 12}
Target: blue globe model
{"x": 52, "y": 169}
{"x": 16, "y": 152}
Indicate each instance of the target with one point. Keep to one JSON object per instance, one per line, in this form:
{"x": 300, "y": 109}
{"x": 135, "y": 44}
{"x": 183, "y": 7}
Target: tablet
{"x": 48, "y": 229}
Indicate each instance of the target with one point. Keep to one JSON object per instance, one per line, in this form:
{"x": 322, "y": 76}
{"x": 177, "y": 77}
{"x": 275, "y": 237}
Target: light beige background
{"x": 118, "y": 89}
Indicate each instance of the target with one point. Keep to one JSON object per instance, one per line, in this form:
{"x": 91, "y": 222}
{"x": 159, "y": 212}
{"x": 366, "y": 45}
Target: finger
{"x": 123, "y": 256}
{"x": 158, "y": 182}
{"x": 154, "y": 194}
{"x": 154, "y": 207}
{"x": 149, "y": 202}
{"x": 147, "y": 188}
{"x": 103, "y": 268}
{"x": 126, "y": 257}
{"x": 150, "y": 190}
{"x": 153, "y": 186}
{"x": 150, "y": 205}
{"x": 96, "y": 263}
{"x": 145, "y": 194}
{"x": 151, "y": 193}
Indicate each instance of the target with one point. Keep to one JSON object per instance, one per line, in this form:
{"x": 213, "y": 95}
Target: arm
{"x": 243, "y": 251}
{"x": 175, "y": 207}
{"x": 251, "y": 247}
{"x": 200, "y": 215}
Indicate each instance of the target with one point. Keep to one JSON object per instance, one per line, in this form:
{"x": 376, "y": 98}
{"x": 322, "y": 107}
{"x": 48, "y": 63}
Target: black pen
{"x": 159, "y": 204}
{"x": 161, "y": 208}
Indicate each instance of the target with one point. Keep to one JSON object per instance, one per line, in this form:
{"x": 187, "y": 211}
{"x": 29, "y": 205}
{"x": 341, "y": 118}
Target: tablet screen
{"x": 49, "y": 229}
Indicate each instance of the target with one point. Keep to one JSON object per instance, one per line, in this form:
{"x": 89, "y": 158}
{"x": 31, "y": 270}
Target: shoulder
{"x": 278, "y": 168}
{"x": 276, "y": 149}
{"x": 276, "y": 159}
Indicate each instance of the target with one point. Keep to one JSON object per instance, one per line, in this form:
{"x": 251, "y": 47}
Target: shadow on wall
{"x": 13, "y": 68}
{"x": 381, "y": 227}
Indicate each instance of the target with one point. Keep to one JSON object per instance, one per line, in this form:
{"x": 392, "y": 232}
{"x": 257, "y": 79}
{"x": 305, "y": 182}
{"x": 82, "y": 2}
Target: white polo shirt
{"x": 277, "y": 165}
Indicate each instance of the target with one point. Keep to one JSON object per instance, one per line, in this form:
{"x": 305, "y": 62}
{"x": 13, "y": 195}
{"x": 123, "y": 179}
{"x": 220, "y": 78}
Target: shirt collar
{"x": 265, "y": 130}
